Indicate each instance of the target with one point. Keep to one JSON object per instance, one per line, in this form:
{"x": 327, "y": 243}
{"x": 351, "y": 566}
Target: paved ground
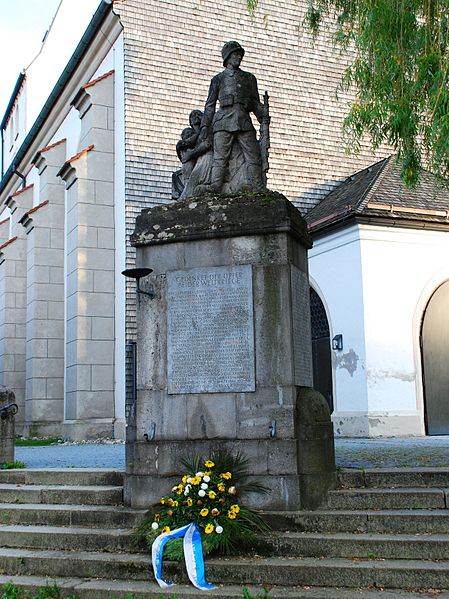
{"x": 350, "y": 453}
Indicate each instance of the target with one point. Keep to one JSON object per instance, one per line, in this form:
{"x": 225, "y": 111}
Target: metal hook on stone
{"x": 150, "y": 437}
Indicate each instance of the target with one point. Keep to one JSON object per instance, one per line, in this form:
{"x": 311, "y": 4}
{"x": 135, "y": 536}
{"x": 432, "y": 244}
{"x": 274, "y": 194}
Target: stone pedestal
{"x": 8, "y": 410}
{"x": 224, "y": 350}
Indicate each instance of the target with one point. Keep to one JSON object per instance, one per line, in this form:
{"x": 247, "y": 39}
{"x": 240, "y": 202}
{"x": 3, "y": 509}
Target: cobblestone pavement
{"x": 409, "y": 452}
{"x": 84, "y": 455}
{"x": 402, "y": 452}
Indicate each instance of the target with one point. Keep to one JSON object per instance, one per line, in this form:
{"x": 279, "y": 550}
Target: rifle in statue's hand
{"x": 264, "y": 139}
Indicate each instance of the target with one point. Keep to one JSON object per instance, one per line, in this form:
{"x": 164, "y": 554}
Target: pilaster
{"x": 90, "y": 259}
{"x": 44, "y": 227}
{"x": 13, "y": 291}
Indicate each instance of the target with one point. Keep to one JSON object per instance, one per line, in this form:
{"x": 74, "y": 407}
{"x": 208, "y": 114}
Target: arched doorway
{"x": 435, "y": 358}
{"x": 321, "y": 349}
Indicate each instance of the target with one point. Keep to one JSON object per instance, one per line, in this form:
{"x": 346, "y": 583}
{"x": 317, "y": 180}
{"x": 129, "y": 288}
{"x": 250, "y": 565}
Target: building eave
{"x": 12, "y": 100}
{"x": 380, "y": 221}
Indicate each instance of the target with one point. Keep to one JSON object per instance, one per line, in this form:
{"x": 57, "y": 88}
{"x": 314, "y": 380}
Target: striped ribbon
{"x": 193, "y": 555}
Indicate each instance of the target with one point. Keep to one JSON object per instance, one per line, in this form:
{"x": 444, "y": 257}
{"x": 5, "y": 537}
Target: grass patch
{"x": 21, "y": 442}
{"x": 12, "y": 465}
{"x": 51, "y": 591}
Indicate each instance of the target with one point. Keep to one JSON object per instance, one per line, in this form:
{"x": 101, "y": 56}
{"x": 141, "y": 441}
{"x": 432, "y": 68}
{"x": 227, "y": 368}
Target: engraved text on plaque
{"x": 210, "y": 330}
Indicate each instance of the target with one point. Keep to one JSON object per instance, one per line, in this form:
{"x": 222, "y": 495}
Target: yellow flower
{"x": 162, "y": 500}
{"x": 209, "y": 464}
{"x": 226, "y": 475}
{"x": 215, "y": 512}
{"x": 166, "y": 529}
{"x": 175, "y": 504}
{"x": 212, "y": 494}
{"x": 157, "y": 517}
{"x": 208, "y": 473}
{"x": 189, "y": 501}
{"x": 232, "y": 515}
{"x": 221, "y": 487}
{"x": 196, "y": 480}
{"x": 209, "y": 528}
{"x": 204, "y": 512}
{"x": 235, "y": 508}
{"x": 184, "y": 479}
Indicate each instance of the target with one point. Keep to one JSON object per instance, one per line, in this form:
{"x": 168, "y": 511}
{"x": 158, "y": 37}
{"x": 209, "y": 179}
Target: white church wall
{"x": 376, "y": 282}
{"x": 398, "y": 265}
{"x": 335, "y": 271}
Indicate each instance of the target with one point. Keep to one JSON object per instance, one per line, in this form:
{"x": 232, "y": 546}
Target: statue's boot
{"x": 217, "y": 178}
{"x": 255, "y": 178}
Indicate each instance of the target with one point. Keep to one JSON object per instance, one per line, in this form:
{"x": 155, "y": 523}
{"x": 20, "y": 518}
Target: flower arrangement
{"x": 209, "y": 495}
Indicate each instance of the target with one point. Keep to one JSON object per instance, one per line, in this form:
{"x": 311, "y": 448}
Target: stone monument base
{"x": 224, "y": 350}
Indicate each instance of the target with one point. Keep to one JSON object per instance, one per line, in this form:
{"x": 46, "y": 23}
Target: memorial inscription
{"x": 210, "y": 330}
{"x": 302, "y": 350}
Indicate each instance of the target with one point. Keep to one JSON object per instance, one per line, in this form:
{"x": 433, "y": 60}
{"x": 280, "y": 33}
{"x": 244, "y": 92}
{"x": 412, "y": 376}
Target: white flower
{"x": 200, "y": 474}
{"x": 219, "y": 529}
{"x": 175, "y": 488}
{"x": 206, "y": 479}
{"x": 201, "y": 493}
{"x": 189, "y": 480}
{"x": 155, "y": 526}
{"x": 204, "y": 486}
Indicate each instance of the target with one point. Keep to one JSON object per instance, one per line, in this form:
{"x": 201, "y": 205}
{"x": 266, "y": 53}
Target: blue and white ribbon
{"x": 193, "y": 555}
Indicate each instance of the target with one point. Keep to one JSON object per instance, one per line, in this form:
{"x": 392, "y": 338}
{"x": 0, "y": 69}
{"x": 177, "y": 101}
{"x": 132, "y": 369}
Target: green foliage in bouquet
{"x": 208, "y": 494}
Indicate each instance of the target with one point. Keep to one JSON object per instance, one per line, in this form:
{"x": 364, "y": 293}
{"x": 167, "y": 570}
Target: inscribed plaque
{"x": 210, "y": 334}
{"x": 302, "y": 337}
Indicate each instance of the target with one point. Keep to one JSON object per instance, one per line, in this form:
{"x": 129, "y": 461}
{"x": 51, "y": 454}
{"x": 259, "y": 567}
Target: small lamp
{"x": 337, "y": 342}
{"x": 137, "y": 274}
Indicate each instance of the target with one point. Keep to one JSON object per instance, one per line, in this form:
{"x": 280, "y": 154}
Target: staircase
{"x": 383, "y": 535}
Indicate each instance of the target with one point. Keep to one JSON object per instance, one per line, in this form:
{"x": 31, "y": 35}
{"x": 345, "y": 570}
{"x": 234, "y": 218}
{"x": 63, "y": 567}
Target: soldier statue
{"x": 237, "y": 163}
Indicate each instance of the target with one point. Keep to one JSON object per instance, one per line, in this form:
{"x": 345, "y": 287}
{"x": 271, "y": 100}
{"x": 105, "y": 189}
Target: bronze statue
{"x": 236, "y": 163}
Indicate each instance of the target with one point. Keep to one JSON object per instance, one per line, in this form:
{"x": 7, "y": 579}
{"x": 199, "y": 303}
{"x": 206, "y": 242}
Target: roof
{"x": 378, "y": 192}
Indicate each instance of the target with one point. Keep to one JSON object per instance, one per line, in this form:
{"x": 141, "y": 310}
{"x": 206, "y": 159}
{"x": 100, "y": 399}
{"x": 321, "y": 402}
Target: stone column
{"x": 89, "y": 179}
{"x": 44, "y": 226}
{"x": 224, "y": 349}
{"x": 13, "y": 302}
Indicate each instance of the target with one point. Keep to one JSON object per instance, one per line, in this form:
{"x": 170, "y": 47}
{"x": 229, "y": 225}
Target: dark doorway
{"x": 435, "y": 360}
{"x": 321, "y": 349}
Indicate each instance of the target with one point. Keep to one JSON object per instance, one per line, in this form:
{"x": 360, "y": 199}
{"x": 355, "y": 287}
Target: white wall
{"x": 401, "y": 269}
{"x": 335, "y": 272}
{"x": 376, "y": 282}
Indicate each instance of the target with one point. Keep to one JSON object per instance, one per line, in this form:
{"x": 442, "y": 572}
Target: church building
{"x": 89, "y": 139}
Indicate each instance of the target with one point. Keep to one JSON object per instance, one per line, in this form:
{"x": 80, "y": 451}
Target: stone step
{"x": 332, "y": 572}
{"x": 373, "y": 546}
{"x": 384, "y": 499}
{"x": 63, "y": 476}
{"x": 123, "y": 589}
{"x": 75, "y": 538}
{"x": 70, "y": 515}
{"x": 375, "y": 521}
{"x": 100, "y": 589}
{"x": 84, "y": 495}
{"x": 397, "y": 477}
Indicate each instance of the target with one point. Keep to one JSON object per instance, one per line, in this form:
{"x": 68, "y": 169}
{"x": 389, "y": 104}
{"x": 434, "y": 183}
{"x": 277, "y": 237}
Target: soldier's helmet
{"x": 229, "y": 48}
